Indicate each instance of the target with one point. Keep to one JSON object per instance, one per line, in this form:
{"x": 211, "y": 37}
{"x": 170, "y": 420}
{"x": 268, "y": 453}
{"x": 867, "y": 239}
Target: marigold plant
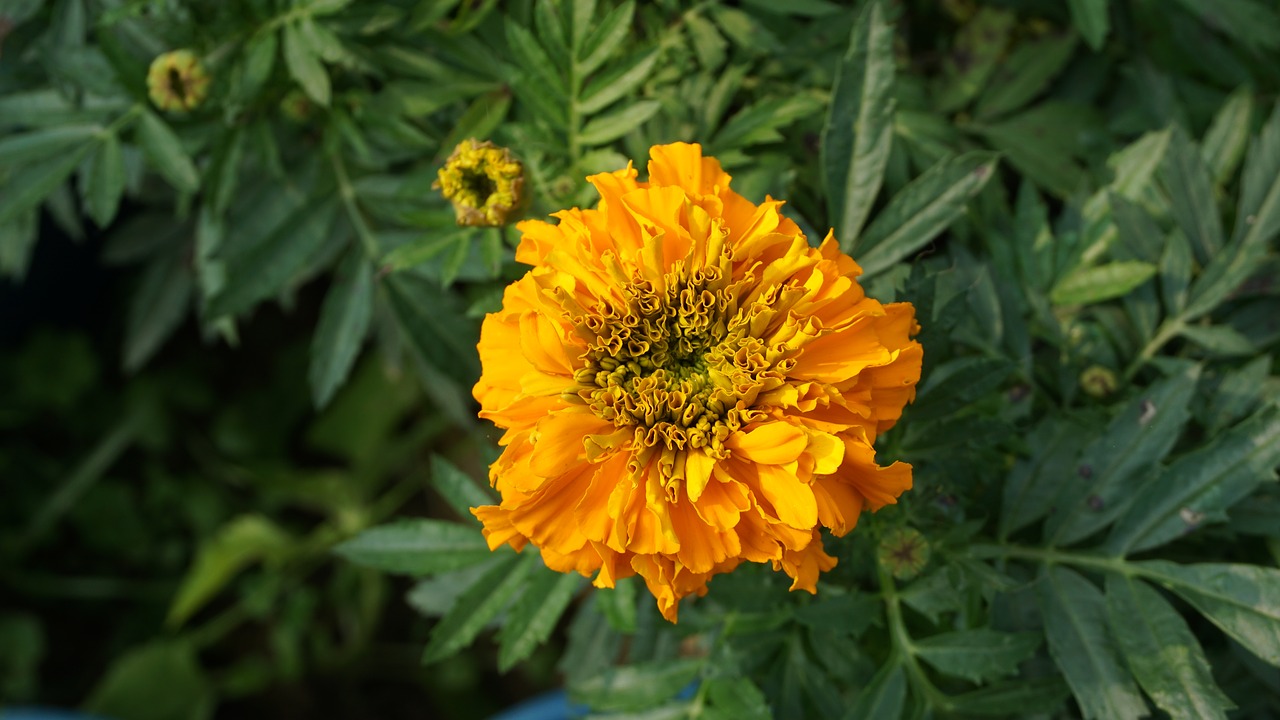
{"x": 686, "y": 383}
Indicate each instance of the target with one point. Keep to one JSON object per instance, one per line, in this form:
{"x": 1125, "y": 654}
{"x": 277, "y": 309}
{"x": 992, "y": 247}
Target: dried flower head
{"x": 484, "y": 183}
{"x": 904, "y": 551}
{"x": 177, "y": 81}
{"x": 685, "y": 384}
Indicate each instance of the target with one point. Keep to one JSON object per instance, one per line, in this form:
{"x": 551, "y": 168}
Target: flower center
{"x": 477, "y": 187}
{"x": 682, "y": 362}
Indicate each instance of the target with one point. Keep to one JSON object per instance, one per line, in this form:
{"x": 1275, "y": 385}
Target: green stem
{"x": 1168, "y": 330}
{"x": 903, "y": 648}
{"x": 1052, "y": 556}
{"x": 348, "y": 193}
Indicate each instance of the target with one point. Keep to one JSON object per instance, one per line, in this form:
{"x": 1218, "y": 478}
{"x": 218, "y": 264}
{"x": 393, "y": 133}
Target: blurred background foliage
{"x": 239, "y": 335}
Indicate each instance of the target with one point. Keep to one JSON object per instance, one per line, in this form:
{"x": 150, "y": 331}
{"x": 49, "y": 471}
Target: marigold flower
{"x": 484, "y": 183}
{"x": 177, "y": 81}
{"x": 685, "y": 383}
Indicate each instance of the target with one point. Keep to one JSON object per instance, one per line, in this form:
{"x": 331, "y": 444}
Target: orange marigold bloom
{"x": 685, "y": 384}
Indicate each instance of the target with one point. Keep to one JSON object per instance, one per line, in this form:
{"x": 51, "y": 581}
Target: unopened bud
{"x": 177, "y": 81}
{"x": 484, "y": 183}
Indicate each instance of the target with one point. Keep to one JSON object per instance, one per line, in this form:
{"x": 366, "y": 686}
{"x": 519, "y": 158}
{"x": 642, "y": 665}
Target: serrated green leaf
{"x": 305, "y": 65}
{"x": 26, "y": 188}
{"x": 457, "y": 488}
{"x": 241, "y": 542}
{"x": 105, "y": 182}
{"x": 477, "y": 606}
{"x": 1138, "y": 437}
{"x": 436, "y": 330}
{"x": 535, "y": 614}
{"x": 619, "y": 605}
{"x": 610, "y": 127}
{"x": 1104, "y": 282}
{"x": 759, "y": 123}
{"x": 258, "y": 61}
{"x": 708, "y": 44}
{"x": 736, "y": 699}
{"x": 922, "y": 210}
{"x": 1042, "y": 142}
{"x": 1237, "y": 395}
{"x": 157, "y": 309}
{"x": 1081, "y": 642}
{"x": 34, "y": 145}
{"x": 1247, "y": 21}
{"x": 1228, "y": 135}
{"x": 616, "y": 83}
{"x": 1162, "y": 652}
{"x": 165, "y": 153}
{"x": 977, "y": 655}
{"x": 1015, "y": 698}
{"x": 636, "y": 687}
{"x": 884, "y": 697}
{"x": 1242, "y": 600}
{"x": 605, "y": 39}
{"x": 1026, "y": 74}
{"x": 262, "y": 270}
{"x": 1200, "y": 486}
{"x": 1220, "y": 340}
{"x": 1136, "y": 164}
{"x": 551, "y": 33}
{"x": 958, "y": 383}
{"x": 580, "y": 14}
{"x": 417, "y": 547}
{"x": 344, "y": 320}
{"x": 17, "y": 239}
{"x": 1185, "y": 178}
{"x": 481, "y": 118}
{"x": 858, "y": 134}
{"x": 977, "y": 48}
{"x": 1091, "y": 19}
{"x": 533, "y": 59}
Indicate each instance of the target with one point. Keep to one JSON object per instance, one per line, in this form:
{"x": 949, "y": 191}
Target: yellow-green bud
{"x": 177, "y": 81}
{"x": 484, "y": 183}
{"x": 1098, "y": 381}
{"x": 296, "y": 106}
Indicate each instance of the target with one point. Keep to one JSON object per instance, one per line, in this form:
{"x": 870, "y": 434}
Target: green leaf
{"x": 1034, "y": 483}
{"x": 165, "y": 153}
{"x": 1248, "y": 21}
{"x": 263, "y": 269}
{"x": 619, "y": 604}
{"x": 34, "y": 145}
{"x": 616, "y": 83}
{"x": 25, "y": 189}
{"x": 759, "y": 123}
{"x": 305, "y": 65}
{"x": 736, "y": 699}
{"x": 481, "y": 118}
{"x": 1201, "y": 485}
{"x": 433, "y": 323}
{"x": 1096, "y": 284}
{"x": 605, "y": 39}
{"x": 344, "y": 320}
{"x": 1237, "y": 395}
{"x": 1026, "y": 74}
{"x": 158, "y": 681}
{"x": 105, "y": 182}
{"x": 1185, "y": 178}
{"x": 614, "y": 125}
{"x": 923, "y": 209}
{"x": 957, "y": 384}
{"x": 480, "y": 604}
{"x": 17, "y": 239}
{"x": 977, "y": 48}
{"x": 1081, "y": 643}
{"x": 1221, "y": 340}
{"x": 238, "y": 544}
{"x": 1242, "y": 600}
{"x": 1019, "y": 698}
{"x": 258, "y": 61}
{"x": 858, "y": 134}
{"x": 551, "y": 32}
{"x": 1258, "y": 214}
{"x": 1136, "y": 164}
{"x": 977, "y": 655}
{"x": 535, "y": 614}
{"x": 532, "y": 59}
{"x": 457, "y": 488}
{"x": 1091, "y": 19}
{"x": 1228, "y": 135}
{"x": 1162, "y": 652}
{"x": 157, "y": 308}
{"x": 636, "y": 687}
{"x": 1136, "y": 439}
{"x": 417, "y": 547}
{"x": 884, "y": 697}
{"x": 1043, "y": 141}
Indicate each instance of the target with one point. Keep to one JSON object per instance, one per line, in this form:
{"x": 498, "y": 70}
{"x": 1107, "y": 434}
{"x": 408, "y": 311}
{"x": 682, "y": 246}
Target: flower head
{"x": 686, "y": 384}
{"x": 177, "y": 81}
{"x": 484, "y": 183}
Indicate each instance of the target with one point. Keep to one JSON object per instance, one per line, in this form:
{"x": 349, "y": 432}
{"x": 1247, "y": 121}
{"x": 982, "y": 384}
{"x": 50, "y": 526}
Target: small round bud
{"x": 484, "y": 183}
{"x": 1098, "y": 381}
{"x": 296, "y": 106}
{"x": 177, "y": 81}
{"x": 904, "y": 551}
